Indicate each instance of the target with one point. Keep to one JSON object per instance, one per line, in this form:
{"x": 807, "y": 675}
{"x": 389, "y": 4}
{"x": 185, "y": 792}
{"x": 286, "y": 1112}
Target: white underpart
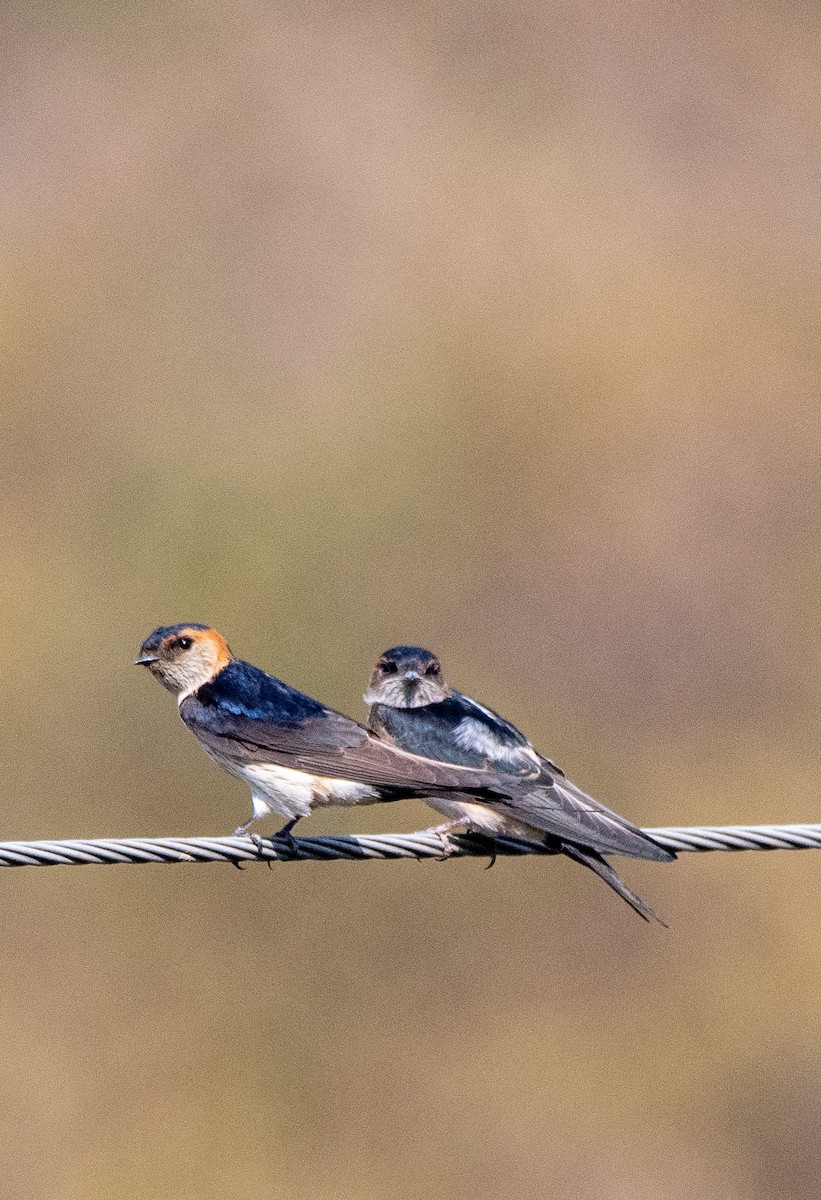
{"x": 197, "y": 667}
{"x": 190, "y": 690}
{"x": 481, "y": 819}
{"x": 293, "y": 793}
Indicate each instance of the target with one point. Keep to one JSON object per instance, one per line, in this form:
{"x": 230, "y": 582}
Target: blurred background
{"x": 488, "y": 326}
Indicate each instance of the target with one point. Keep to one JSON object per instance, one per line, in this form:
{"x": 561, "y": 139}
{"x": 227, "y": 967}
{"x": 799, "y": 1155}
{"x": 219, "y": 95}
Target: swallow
{"x": 294, "y": 753}
{"x": 413, "y": 708}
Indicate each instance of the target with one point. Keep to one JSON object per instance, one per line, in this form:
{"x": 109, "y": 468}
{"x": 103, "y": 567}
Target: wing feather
{"x": 331, "y": 745}
{"x": 558, "y": 807}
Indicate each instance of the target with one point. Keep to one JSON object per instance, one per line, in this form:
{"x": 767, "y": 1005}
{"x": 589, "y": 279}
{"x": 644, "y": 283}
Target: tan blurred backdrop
{"x": 490, "y": 326}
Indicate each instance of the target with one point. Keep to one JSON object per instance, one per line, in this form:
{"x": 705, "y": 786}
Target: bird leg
{"x": 284, "y": 835}
{"x": 241, "y": 830}
{"x": 442, "y": 831}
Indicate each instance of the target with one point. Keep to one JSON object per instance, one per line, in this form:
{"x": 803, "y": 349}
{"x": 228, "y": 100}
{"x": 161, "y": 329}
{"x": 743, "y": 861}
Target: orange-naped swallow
{"x": 412, "y": 707}
{"x": 294, "y": 753}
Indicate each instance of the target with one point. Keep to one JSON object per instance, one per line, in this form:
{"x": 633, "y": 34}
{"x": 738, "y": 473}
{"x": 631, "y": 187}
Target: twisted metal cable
{"x": 238, "y": 850}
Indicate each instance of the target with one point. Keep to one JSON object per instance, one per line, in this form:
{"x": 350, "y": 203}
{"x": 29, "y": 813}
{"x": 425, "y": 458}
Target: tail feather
{"x": 557, "y": 806}
{"x": 601, "y": 867}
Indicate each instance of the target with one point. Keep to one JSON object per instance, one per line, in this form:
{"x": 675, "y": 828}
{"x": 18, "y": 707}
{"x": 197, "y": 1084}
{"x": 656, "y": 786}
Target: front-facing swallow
{"x": 412, "y": 707}
{"x": 294, "y": 753}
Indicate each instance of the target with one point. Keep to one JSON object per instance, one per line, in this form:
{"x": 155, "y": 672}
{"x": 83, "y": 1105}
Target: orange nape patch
{"x": 210, "y": 637}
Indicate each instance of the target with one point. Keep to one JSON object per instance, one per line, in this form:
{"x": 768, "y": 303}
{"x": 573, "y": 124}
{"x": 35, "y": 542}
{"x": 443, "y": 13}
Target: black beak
{"x": 145, "y": 661}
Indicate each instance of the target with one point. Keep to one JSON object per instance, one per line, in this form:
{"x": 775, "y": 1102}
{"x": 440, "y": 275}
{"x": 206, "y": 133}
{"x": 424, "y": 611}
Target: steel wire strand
{"x": 239, "y": 850}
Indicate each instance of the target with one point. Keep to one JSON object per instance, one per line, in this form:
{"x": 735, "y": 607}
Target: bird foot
{"x": 260, "y": 845}
{"x": 442, "y": 832}
{"x": 447, "y": 846}
{"x": 242, "y": 831}
{"x": 284, "y": 835}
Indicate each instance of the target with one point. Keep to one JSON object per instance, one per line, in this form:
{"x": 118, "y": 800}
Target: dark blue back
{"x": 244, "y": 690}
{"x": 430, "y": 731}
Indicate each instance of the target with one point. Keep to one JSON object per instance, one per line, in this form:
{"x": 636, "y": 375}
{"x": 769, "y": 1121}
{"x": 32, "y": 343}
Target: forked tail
{"x": 601, "y": 867}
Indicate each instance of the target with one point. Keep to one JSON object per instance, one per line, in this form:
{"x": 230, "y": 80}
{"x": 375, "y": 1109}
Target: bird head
{"x": 184, "y": 657}
{"x": 407, "y": 677}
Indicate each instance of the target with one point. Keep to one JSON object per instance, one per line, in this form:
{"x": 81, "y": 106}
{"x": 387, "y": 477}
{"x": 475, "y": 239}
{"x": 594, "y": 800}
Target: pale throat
{"x": 189, "y": 678}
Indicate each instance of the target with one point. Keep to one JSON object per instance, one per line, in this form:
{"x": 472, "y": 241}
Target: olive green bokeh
{"x": 491, "y": 327}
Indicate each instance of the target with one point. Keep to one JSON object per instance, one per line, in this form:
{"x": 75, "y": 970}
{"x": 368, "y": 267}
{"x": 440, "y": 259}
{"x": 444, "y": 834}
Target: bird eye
{"x": 390, "y": 668}
{"x": 183, "y": 643}
{"x": 433, "y": 669}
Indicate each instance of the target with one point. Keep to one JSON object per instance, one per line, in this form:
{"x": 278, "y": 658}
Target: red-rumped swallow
{"x": 294, "y": 753}
{"x": 412, "y": 708}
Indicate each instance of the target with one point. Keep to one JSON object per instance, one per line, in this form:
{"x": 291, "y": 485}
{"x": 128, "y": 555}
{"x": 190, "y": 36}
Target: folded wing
{"x": 328, "y": 744}
{"x": 558, "y": 807}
